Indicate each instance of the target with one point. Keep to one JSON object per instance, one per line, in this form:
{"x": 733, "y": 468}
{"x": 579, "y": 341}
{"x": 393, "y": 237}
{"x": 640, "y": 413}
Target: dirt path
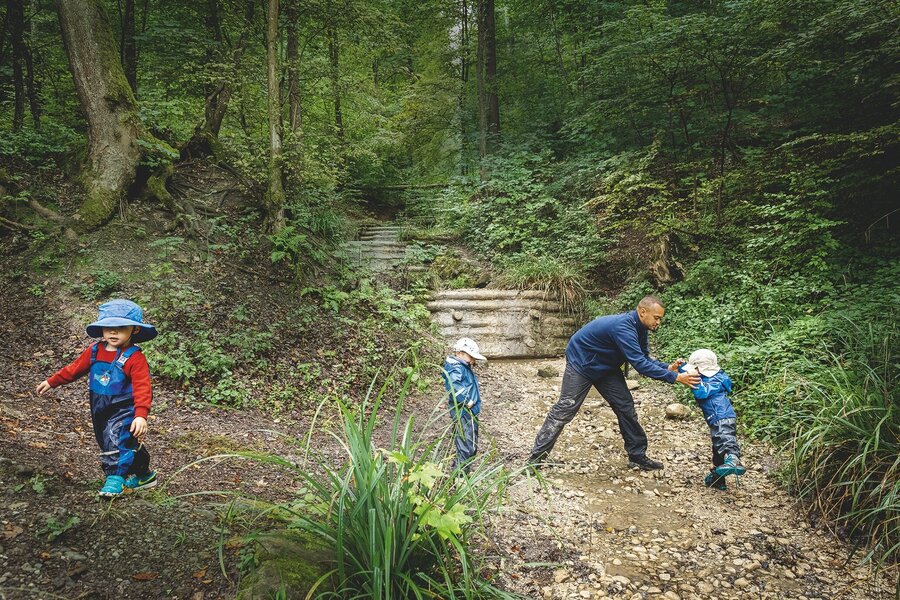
{"x": 602, "y": 530}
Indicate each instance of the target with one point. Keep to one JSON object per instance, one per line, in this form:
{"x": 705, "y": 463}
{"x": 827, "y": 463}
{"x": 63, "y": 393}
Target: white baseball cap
{"x": 704, "y": 361}
{"x": 468, "y": 346}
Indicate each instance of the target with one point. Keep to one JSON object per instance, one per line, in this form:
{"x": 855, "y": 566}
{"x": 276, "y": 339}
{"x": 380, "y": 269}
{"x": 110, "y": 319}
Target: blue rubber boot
{"x": 114, "y": 486}
{"x": 714, "y": 481}
{"x": 142, "y": 482}
{"x": 731, "y": 466}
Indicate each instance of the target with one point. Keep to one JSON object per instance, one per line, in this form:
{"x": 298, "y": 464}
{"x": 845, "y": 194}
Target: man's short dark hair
{"x": 648, "y": 302}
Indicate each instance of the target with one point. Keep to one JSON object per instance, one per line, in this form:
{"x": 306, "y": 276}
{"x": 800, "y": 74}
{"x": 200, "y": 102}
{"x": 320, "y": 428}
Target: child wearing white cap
{"x": 463, "y": 399}
{"x": 712, "y": 397}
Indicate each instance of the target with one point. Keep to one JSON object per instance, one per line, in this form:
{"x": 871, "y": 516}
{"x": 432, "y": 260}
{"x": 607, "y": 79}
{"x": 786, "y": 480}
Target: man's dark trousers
{"x": 574, "y": 389}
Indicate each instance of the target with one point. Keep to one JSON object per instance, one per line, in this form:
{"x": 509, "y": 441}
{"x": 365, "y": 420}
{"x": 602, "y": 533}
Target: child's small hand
{"x": 139, "y": 427}
{"x": 470, "y": 404}
{"x": 42, "y": 388}
{"x": 677, "y": 363}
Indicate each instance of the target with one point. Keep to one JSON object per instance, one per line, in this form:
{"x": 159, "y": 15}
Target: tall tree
{"x": 486, "y": 70}
{"x": 15, "y": 14}
{"x": 108, "y": 104}
{"x": 334, "y": 58}
{"x": 32, "y": 84}
{"x": 274, "y": 200}
{"x": 295, "y": 116}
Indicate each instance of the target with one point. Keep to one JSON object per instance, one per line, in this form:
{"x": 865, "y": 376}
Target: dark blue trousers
{"x": 120, "y": 452}
{"x": 465, "y": 437}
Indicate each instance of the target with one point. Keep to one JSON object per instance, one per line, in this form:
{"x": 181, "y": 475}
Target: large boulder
{"x": 677, "y": 411}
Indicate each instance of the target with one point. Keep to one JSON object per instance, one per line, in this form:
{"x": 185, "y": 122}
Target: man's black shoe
{"x": 644, "y": 464}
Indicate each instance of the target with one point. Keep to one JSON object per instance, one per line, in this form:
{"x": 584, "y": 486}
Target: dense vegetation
{"x": 739, "y": 157}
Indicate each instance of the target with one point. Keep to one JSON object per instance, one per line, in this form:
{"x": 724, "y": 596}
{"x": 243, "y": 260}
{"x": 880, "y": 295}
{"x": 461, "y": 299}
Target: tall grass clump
{"x": 556, "y": 278}
{"x": 844, "y": 426}
{"x": 399, "y": 523}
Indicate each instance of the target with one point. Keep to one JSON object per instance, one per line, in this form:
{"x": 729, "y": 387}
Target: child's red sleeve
{"x": 73, "y": 371}
{"x": 138, "y": 371}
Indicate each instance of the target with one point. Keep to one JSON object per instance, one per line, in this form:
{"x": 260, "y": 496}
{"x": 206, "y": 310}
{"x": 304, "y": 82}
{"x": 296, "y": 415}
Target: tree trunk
{"x": 295, "y": 117}
{"x": 490, "y": 77}
{"x": 108, "y": 103}
{"x": 486, "y": 71}
{"x": 274, "y": 200}
{"x": 128, "y": 47}
{"x": 334, "y": 56}
{"x": 15, "y": 11}
{"x": 463, "y": 78}
{"x": 31, "y": 84}
{"x": 205, "y": 139}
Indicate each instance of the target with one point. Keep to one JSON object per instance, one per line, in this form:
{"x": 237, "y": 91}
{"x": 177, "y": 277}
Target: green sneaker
{"x": 141, "y": 483}
{"x": 715, "y": 481}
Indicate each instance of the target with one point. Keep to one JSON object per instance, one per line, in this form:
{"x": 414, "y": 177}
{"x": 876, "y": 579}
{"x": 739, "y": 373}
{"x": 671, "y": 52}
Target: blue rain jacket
{"x": 712, "y": 397}
{"x": 461, "y": 384}
{"x": 603, "y": 345}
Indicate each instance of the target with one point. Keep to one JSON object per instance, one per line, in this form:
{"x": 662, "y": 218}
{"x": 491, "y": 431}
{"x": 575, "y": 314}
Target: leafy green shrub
{"x": 100, "y": 283}
{"x": 53, "y": 142}
{"x": 558, "y": 279}
{"x": 399, "y": 525}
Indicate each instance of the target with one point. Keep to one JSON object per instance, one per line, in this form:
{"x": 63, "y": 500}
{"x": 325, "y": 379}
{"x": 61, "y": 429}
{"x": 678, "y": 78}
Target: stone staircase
{"x": 379, "y": 248}
{"x": 505, "y": 323}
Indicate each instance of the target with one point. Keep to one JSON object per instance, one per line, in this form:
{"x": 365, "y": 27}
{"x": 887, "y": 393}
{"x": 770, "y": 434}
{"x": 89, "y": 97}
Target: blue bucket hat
{"x": 122, "y": 313}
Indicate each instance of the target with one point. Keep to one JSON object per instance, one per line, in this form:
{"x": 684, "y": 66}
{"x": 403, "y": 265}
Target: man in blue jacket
{"x": 594, "y": 357}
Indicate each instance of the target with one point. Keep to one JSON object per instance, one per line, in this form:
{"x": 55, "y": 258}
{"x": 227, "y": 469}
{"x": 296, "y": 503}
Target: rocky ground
{"x": 596, "y": 529}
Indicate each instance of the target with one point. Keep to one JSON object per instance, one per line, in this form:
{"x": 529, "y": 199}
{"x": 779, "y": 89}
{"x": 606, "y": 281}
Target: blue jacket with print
{"x": 461, "y": 384}
{"x": 712, "y": 397}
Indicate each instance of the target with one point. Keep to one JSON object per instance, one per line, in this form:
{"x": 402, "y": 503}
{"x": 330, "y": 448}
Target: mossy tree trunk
{"x": 274, "y": 200}
{"x": 108, "y": 104}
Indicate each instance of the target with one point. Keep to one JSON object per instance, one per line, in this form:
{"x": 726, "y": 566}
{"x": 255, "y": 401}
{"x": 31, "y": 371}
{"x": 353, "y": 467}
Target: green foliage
{"x": 843, "y": 421}
{"x": 558, "y": 279}
{"x": 99, "y": 283}
{"x": 54, "y": 528}
{"x": 53, "y": 143}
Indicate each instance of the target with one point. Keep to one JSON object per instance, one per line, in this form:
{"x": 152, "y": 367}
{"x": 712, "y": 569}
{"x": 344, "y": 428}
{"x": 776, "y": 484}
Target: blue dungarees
{"x": 112, "y": 411}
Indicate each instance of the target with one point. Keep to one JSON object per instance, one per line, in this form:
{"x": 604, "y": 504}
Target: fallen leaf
{"x": 207, "y": 581}
{"x": 201, "y": 573}
{"x": 44, "y": 555}
{"x": 37, "y": 444}
{"x": 11, "y": 531}
{"x": 144, "y": 576}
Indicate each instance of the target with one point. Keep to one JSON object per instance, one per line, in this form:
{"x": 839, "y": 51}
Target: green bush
{"x": 400, "y": 526}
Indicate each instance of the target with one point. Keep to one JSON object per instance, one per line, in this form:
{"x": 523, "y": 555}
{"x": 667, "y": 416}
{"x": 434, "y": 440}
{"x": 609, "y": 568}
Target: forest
{"x": 222, "y": 162}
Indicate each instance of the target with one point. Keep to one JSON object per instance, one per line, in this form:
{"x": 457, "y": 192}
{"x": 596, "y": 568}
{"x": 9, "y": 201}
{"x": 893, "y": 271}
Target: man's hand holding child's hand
{"x": 42, "y": 388}
{"x": 139, "y": 427}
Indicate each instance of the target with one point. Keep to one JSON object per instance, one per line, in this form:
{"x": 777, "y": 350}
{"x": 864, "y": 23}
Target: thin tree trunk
{"x": 108, "y": 103}
{"x": 16, "y": 23}
{"x": 295, "y": 117}
{"x": 31, "y": 84}
{"x": 334, "y": 56}
{"x": 464, "y": 78}
{"x": 128, "y": 47}
{"x": 490, "y": 77}
{"x": 479, "y": 83}
{"x": 486, "y": 70}
{"x": 274, "y": 200}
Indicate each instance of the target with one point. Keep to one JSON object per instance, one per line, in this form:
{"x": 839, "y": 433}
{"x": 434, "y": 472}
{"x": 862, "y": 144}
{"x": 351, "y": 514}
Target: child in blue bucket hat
{"x": 120, "y": 392}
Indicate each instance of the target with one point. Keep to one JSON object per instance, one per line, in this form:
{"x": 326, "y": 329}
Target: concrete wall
{"x": 505, "y": 323}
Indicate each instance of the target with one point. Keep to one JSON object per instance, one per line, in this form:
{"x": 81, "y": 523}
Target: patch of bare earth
{"x": 598, "y": 529}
